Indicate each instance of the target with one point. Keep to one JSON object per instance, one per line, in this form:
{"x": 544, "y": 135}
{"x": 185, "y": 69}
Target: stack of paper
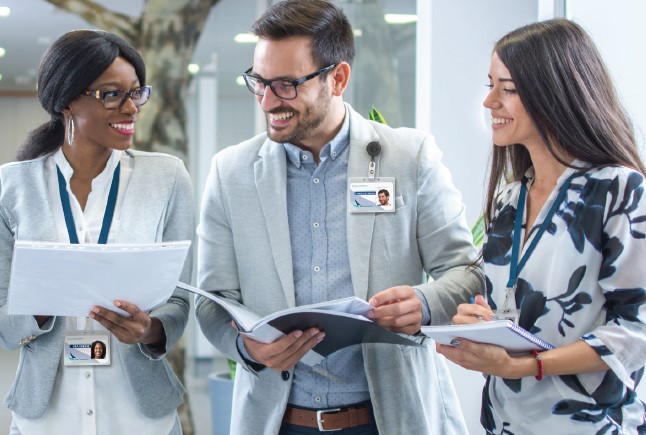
{"x": 57, "y": 279}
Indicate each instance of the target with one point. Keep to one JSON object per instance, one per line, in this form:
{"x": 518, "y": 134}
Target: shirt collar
{"x": 101, "y": 179}
{"x": 576, "y": 165}
{"x": 333, "y": 149}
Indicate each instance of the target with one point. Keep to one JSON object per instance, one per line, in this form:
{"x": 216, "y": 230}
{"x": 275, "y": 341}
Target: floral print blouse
{"x": 585, "y": 280}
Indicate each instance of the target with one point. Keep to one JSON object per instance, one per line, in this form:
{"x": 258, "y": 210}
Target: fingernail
{"x": 372, "y": 303}
{"x": 118, "y": 304}
{"x": 297, "y": 334}
{"x": 314, "y": 332}
{"x": 455, "y": 342}
{"x": 92, "y": 314}
{"x": 320, "y": 338}
{"x": 371, "y": 314}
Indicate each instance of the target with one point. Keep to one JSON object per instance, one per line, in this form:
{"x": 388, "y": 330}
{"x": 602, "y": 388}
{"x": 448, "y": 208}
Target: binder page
{"x": 58, "y": 279}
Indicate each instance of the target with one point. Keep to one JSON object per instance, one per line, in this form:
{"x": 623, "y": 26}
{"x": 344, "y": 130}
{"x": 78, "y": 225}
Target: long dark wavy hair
{"x": 567, "y": 91}
{"x": 67, "y": 68}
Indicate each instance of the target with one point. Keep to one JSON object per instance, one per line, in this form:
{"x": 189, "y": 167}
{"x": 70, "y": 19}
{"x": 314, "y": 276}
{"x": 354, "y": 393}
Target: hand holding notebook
{"x": 504, "y": 333}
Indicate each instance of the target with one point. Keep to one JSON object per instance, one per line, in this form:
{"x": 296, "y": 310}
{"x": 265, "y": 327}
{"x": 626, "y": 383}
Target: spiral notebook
{"x": 504, "y": 333}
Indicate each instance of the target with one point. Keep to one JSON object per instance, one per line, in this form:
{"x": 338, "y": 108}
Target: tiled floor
{"x": 197, "y": 385}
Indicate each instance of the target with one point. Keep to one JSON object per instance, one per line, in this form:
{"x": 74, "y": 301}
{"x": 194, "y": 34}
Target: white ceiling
{"x": 34, "y": 24}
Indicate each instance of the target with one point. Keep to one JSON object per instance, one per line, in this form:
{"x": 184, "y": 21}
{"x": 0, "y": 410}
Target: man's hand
{"x": 398, "y": 309}
{"x": 285, "y": 352}
{"x": 139, "y": 327}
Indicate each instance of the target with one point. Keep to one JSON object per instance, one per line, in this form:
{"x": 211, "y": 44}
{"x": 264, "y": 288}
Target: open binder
{"x": 344, "y": 321}
{"x": 504, "y": 333}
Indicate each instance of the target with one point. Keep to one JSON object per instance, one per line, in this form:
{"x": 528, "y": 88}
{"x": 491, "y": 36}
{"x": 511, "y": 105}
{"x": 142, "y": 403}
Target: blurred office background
{"x": 422, "y": 63}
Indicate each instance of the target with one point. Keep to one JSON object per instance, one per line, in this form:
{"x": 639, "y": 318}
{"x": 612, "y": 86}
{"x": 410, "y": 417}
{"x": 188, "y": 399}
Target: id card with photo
{"x": 87, "y": 348}
{"x": 366, "y": 196}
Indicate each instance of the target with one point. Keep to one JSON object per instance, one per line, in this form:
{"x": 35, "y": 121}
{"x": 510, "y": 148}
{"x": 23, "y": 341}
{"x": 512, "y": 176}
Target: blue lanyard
{"x": 517, "y": 266}
{"x": 109, "y": 208}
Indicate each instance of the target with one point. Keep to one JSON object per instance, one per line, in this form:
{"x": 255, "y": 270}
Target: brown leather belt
{"x": 328, "y": 419}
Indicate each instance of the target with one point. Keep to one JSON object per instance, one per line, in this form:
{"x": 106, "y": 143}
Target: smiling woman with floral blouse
{"x": 565, "y": 242}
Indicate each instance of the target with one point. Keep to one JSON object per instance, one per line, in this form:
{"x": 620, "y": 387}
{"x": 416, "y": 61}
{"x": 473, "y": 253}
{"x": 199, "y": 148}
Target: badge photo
{"x": 371, "y": 196}
{"x": 87, "y": 349}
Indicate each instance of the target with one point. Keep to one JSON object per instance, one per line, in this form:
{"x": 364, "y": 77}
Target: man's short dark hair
{"x": 384, "y": 191}
{"x": 323, "y": 22}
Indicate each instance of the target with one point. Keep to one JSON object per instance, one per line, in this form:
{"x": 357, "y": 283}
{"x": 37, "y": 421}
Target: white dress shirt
{"x": 91, "y": 400}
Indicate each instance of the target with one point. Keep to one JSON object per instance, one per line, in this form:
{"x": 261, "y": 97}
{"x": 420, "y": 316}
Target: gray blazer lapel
{"x": 360, "y": 225}
{"x": 143, "y": 198}
{"x": 270, "y": 172}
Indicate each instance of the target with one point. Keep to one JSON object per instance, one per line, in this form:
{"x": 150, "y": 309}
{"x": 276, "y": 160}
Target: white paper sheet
{"x": 58, "y": 279}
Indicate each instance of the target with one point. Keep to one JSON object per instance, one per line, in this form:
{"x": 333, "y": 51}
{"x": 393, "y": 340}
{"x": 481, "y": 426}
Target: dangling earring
{"x": 70, "y": 130}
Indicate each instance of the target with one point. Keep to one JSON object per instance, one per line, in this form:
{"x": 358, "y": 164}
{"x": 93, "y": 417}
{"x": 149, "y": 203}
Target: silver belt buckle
{"x": 319, "y": 419}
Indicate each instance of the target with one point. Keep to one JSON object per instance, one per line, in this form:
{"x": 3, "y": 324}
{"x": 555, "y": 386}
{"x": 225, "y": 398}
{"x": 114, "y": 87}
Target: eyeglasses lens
{"x": 115, "y": 99}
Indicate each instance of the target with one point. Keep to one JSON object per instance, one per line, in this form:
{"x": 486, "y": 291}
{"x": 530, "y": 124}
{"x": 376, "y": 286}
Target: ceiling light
{"x": 193, "y": 68}
{"x": 4, "y": 11}
{"x": 2, "y": 52}
{"x": 23, "y": 80}
{"x": 400, "y": 18}
{"x": 357, "y": 32}
{"x": 240, "y": 81}
{"x": 44, "y": 40}
{"x": 0, "y": 76}
{"x": 245, "y": 38}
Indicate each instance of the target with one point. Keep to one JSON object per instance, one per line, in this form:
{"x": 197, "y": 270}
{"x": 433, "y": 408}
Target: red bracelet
{"x": 539, "y": 361}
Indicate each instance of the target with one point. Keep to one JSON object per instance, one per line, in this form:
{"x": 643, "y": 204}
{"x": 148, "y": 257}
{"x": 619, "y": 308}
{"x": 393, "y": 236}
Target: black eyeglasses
{"x": 114, "y": 99}
{"x": 282, "y": 88}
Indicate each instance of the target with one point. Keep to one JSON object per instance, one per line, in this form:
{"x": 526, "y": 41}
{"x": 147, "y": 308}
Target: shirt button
{"x": 333, "y": 154}
{"x": 316, "y": 181}
{"x": 304, "y": 157}
{"x": 87, "y": 375}
{"x": 317, "y": 399}
{"x": 316, "y": 225}
{"x": 81, "y": 228}
{"x": 317, "y": 269}
{"x": 89, "y": 412}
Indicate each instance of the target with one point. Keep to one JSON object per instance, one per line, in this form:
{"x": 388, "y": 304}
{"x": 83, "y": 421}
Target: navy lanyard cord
{"x": 517, "y": 266}
{"x": 109, "y": 208}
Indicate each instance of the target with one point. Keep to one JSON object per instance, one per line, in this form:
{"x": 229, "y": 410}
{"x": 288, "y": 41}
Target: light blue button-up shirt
{"x": 316, "y": 208}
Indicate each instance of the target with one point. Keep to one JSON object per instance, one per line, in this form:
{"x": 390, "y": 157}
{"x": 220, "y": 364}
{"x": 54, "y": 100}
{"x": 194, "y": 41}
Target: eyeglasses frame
{"x": 100, "y": 95}
{"x": 296, "y": 83}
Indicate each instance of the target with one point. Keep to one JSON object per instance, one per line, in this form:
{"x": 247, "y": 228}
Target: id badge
{"x": 365, "y": 196}
{"x": 510, "y": 314}
{"x": 87, "y": 348}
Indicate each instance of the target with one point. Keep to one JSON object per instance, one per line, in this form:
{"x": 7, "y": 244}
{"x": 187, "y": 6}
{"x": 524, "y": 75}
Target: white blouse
{"x": 585, "y": 280}
{"x": 91, "y": 400}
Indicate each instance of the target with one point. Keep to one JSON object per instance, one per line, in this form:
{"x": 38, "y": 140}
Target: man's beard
{"x": 306, "y": 125}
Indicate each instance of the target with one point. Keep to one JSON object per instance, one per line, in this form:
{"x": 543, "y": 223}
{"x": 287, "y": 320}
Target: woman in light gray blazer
{"x": 77, "y": 181}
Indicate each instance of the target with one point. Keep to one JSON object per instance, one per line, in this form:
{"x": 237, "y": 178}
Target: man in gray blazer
{"x": 277, "y": 230}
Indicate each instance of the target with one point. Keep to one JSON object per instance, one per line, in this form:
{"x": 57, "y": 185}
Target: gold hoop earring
{"x": 70, "y": 130}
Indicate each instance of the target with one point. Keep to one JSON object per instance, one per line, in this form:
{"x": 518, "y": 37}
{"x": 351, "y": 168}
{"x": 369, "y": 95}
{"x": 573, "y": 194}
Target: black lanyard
{"x": 109, "y": 208}
{"x": 517, "y": 266}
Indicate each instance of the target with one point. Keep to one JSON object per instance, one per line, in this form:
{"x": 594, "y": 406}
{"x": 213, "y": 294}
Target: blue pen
{"x": 472, "y": 300}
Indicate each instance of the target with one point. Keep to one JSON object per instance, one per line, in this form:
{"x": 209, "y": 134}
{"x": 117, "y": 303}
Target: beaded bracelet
{"x": 539, "y": 361}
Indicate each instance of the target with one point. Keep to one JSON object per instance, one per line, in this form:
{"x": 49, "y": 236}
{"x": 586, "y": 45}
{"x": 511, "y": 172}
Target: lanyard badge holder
{"x": 87, "y": 347}
{"x": 509, "y": 310}
{"x": 371, "y": 194}
{"x": 84, "y": 346}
